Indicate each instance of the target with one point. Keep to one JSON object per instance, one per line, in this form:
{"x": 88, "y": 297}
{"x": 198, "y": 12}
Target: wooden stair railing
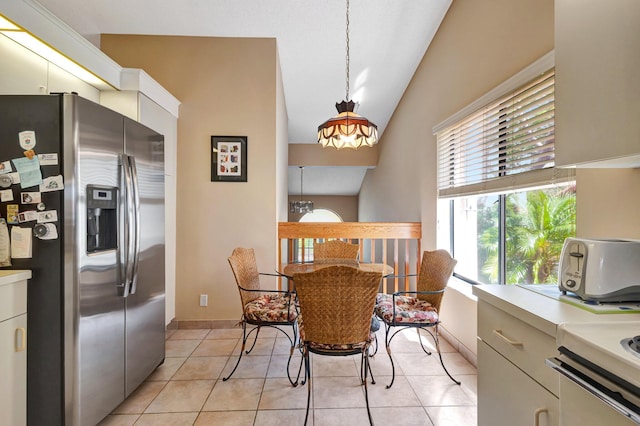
{"x": 380, "y": 242}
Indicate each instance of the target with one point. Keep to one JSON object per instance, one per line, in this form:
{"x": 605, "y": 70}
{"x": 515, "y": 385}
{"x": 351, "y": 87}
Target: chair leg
{"x": 294, "y": 342}
{"x": 422, "y": 344}
{"x": 375, "y": 348}
{"x": 363, "y": 366}
{"x": 244, "y": 341}
{"x": 254, "y": 340}
{"x": 437, "y": 341}
{"x": 387, "y": 343}
{"x": 307, "y": 375}
{"x": 366, "y": 393}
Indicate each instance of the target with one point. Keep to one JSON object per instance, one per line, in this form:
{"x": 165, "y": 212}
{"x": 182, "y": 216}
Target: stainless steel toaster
{"x": 600, "y": 270}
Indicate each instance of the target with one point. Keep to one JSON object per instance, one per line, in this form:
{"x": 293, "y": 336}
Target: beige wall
{"x": 282, "y": 149}
{"x": 345, "y": 206}
{"x": 227, "y": 87}
{"x": 480, "y": 44}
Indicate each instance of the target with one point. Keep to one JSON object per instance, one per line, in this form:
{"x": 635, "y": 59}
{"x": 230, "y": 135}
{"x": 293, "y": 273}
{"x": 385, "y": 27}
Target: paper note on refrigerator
{"x": 52, "y": 183}
{"x": 21, "y": 243}
{"x": 6, "y": 195}
{"x": 5, "y": 252}
{"x": 5, "y": 167}
{"x": 48, "y": 159}
{"x": 29, "y": 171}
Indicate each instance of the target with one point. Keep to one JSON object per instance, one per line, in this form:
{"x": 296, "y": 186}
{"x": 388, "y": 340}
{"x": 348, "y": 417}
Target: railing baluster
{"x": 406, "y": 265}
{"x": 395, "y": 265}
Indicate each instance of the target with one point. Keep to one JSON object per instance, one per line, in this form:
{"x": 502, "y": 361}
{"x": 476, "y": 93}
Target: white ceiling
{"x": 388, "y": 38}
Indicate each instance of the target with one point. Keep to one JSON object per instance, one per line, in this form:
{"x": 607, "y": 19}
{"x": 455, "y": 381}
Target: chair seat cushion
{"x": 328, "y": 347}
{"x": 409, "y": 310}
{"x": 336, "y": 348}
{"x": 270, "y": 308}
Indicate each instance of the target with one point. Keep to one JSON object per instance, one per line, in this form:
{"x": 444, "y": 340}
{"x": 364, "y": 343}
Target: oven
{"x": 599, "y": 368}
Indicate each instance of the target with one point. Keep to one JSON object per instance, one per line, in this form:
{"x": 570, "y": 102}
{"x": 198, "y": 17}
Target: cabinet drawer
{"x": 13, "y": 299}
{"x": 523, "y": 345}
{"x": 507, "y": 396}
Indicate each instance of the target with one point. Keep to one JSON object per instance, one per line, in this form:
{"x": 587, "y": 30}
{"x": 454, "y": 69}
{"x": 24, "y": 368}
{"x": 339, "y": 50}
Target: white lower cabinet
{"x": 507, "y": 396}
{"x": 13, "y": 370}
{"x": 13, "y": 347}
{"x": 515, "y": 387}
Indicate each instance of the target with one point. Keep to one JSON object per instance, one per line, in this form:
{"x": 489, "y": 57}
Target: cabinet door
{"x": 13, "y": 370}
{"x": 507, "y": 396}
{"x": 597, "y": 87}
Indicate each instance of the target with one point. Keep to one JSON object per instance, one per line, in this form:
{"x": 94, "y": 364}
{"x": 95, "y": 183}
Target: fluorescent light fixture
{"x": 42, "y": 49}
{"x": 7, "y": 25}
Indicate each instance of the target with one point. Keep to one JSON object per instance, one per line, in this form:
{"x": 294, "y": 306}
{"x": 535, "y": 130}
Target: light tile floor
{"x": 188, "y": 388}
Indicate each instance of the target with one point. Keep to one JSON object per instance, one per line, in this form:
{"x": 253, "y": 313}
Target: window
{"x": 504, "y": 209}
{"x": 513, "y": 238}
{"x": 304, "y": 246}
{"x": 321, "y": 215}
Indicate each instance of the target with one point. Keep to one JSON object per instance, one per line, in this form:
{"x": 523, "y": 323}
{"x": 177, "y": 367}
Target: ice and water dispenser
{"x": 102, "y": 218}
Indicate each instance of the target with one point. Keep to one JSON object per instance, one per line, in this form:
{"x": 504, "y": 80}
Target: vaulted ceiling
{"x": 387, "y": 39}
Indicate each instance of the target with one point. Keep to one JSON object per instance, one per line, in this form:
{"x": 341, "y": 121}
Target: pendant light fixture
{"x": 347, "y": 129}
{"x": 301, "y": 206}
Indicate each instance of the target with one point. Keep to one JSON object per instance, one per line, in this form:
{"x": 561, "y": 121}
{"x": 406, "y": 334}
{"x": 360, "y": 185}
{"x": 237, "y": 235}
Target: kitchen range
{"x": 600, "y": 373}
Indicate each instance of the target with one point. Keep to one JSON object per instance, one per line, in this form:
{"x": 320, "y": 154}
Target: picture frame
{"x": 229, "y": 159}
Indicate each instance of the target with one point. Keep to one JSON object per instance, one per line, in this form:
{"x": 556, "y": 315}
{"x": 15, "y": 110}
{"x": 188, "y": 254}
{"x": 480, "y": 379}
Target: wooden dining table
{"x": 288, "y": 269}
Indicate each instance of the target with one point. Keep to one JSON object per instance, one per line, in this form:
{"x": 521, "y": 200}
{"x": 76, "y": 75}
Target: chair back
{"x": 435, "y": 270}
{"x": 245, "y": 270}
{"x": 336, "y": 304}
{"x": 336, "y": 251}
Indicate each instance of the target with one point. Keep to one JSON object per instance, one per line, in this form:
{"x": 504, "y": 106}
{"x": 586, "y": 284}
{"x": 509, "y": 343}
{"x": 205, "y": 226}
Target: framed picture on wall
{"x": 228, "y": 158}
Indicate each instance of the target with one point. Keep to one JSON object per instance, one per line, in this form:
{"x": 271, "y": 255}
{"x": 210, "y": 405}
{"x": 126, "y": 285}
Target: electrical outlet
{"x": 204, "y": 299}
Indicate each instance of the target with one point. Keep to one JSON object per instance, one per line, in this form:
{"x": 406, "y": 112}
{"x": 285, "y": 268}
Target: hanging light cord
{"x": 347, "y": 97}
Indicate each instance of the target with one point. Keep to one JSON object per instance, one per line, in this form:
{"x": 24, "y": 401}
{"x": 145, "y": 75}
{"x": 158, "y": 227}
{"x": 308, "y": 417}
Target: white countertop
{"x": 541, "y": 311}
{"x": 11, "y": 276}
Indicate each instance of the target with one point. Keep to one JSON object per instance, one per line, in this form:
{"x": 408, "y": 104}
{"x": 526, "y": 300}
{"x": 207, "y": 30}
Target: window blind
{"x": 506, "y": 144}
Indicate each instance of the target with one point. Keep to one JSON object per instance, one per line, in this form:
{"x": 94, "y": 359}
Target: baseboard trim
{"x": 462, "y": 349}
{"x": 201, "y": 324}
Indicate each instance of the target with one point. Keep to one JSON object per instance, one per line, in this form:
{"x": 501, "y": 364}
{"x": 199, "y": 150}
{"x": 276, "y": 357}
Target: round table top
{"x": 295, "y": 268}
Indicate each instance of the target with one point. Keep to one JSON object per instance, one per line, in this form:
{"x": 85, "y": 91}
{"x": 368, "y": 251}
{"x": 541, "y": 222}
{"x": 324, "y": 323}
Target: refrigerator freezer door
{"x": 94, "y": 330}
{"x": 145, "y": 305}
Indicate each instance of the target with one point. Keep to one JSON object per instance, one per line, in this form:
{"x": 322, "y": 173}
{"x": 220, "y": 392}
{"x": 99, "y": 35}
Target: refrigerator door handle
{"x": 135, "y": 224}
{"x": 128, "y": 223}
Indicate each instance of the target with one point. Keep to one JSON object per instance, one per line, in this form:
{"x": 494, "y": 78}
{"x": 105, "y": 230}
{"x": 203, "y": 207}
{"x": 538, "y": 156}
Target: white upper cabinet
{"x": 597, "y": 48}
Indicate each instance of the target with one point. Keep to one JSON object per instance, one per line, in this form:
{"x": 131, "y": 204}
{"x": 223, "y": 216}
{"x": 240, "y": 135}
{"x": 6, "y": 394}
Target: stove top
{"x": 608, "y": 345}
{"x": 632, "y": 345}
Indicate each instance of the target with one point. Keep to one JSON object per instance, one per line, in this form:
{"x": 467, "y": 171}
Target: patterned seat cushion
{"x": 270, "y": 308}
{"x": 409, "y": 310}
{"x": 332, "y": 347}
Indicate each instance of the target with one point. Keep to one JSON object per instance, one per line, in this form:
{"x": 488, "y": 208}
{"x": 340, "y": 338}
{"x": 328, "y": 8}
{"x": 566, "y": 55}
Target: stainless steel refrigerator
{"x": 95, "y": 218}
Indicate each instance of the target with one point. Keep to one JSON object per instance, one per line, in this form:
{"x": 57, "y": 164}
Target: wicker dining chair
{"x": 262, "y": 308}
{"x": 338, "y": 252}
{"x": 418, "y": 309}
{"x": 335, "y": 252}
{"x": 336, "y": 304}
